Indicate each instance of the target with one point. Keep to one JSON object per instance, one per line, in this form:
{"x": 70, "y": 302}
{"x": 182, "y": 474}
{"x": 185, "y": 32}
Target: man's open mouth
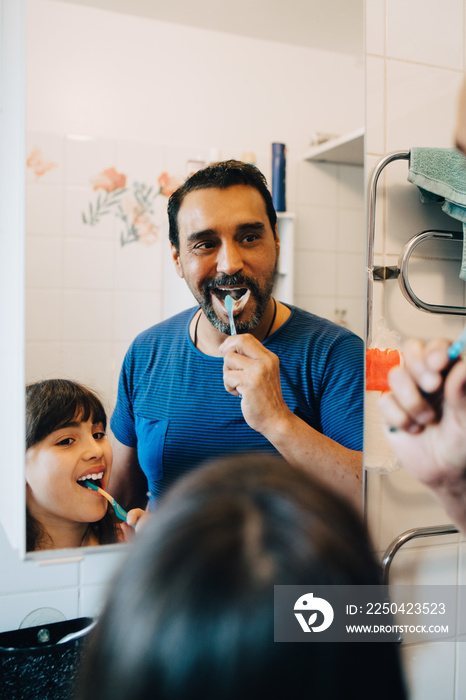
{"x": 236, "y": 293}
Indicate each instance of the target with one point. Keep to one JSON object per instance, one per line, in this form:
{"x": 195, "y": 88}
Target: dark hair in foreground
{"x": 190, "y": 613}
{"x": 51, "y": 404}
{"x": 222, "y": 175}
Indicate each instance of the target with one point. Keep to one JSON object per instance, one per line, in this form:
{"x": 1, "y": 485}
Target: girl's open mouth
{"x": 95, "y": 478}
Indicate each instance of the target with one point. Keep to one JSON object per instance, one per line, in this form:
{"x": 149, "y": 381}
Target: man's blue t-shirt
{"x": 172, "y": 404}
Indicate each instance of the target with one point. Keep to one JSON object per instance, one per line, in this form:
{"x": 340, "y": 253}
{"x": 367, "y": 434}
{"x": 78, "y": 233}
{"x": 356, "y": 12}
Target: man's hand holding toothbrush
{"x": 425, "y": 415}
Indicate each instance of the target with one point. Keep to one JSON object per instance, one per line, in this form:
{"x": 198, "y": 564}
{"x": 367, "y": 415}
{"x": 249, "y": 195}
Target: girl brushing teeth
{"x": 65, "y": 445}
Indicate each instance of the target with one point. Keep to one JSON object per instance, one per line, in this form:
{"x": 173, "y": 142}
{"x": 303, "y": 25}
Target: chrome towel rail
{"x": 404, "y": 537}
{"x": 400, "y": 272}
{"x": 403, "y": 272}
{"x": 372, "y": 199}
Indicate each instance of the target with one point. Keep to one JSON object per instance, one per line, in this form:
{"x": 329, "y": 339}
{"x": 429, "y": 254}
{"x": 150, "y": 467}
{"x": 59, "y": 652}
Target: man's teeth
{"x": 239, "y": 304}
{"x": 92, "y": 477}
{"x": 236, "y": 293}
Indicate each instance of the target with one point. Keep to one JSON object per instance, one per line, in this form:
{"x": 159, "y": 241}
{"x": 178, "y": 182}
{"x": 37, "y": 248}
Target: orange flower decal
{"x": 109, "y": 180}
{"x": 38, "y": 164}
{"x": 168, "y": 184}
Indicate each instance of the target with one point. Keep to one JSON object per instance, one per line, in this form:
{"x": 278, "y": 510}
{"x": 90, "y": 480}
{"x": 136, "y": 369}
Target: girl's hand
{"x": 135, "y": 520}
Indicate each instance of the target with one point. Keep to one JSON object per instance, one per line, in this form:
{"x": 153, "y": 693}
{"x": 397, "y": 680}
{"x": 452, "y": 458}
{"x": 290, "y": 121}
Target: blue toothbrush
{"x": 457, "y": 347}
{"x": 229, "y": 307}
{"x": 120, "y": 512}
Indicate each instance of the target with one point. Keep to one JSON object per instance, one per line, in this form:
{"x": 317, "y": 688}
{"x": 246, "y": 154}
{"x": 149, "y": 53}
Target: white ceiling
{"x": 332, "y": 25}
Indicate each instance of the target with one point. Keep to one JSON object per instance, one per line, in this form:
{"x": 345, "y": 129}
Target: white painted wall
{"x": 414, "y": 67}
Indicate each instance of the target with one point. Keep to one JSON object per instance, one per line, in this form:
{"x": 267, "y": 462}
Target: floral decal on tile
{"x": 38, "y": 163}
{"x": 134, "y": 206}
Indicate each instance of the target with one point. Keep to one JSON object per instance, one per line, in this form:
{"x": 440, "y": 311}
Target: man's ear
{"x": 277, "y": 240}
{"x": 176, "y": 260}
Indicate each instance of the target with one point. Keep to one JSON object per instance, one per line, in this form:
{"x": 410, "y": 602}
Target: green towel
{"x": 440, "y": 175}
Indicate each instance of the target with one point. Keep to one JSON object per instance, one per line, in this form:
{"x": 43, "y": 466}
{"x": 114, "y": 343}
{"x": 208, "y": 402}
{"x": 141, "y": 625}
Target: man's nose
{"x": 229, "y": 259}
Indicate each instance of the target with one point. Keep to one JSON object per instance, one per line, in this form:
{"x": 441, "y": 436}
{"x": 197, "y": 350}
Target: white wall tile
{"x": 421, "y": 105}
{"x": 138, "y": 266}
{"x": 100, "y": 565}
{"x": 414, "y": 32}
{"x": 316, "y": 274}
{"x": 375, "y": 27}
{"x": 372, "y": 505}
{"x": 78, "y": 202}
{"x": 88, "y": 264}
{"x": 134, "y": 312}
{"x": 92, "y": 599}
{"x": 44, "y": 158}
{"x": 354, "y": 313}
{"x": 350, "y": 276}
{"x": 43, "y": 360}
{"x": 44, "y": 209}
{"x": 140, "y": 161}
{"x": 406, "y": 504}
{"x": 87, "y": 157}
{"x": 350, "y": 187}
{"x": 43, "y": 314}
{"x": 430, "y": 670}
{"x": 352, "y": 234}
{"x": 434, "y": 565}
{"x": 90, "y": 363}
{"x": 86, "y": 315}
{"x": 324, "y": 306}
{"x": 460, "y": 679}
{"x": 44, "y": 265}
{"x": 317, "y": 184}
{"x": 409, "y": 321}
{"x": 15, "y": 608}
{"x": 375, "y": 104}
{"x": 316, "y": 228}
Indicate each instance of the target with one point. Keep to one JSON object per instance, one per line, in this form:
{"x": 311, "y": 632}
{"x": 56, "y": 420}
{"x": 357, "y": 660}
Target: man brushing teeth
{"x": 288, "y": 382}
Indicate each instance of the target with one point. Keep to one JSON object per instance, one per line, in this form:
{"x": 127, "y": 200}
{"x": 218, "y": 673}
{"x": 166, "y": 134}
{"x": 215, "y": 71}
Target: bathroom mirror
{"x": 126, "y": 98}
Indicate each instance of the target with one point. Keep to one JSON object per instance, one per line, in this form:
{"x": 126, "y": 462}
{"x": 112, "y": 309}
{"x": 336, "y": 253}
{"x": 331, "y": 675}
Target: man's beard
{"x": 259, "y": 294}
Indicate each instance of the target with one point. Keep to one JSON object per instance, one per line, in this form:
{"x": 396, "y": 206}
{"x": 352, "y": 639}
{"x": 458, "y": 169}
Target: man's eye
{"x": 66, "y": 441}
{"x": 204, "y": 245}
{"x": 251, "y": 237}
{"x": 99, "y": 436}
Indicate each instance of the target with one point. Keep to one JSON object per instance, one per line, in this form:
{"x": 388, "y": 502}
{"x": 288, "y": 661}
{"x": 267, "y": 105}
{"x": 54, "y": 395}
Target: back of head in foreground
{"x": 190, "y": 613}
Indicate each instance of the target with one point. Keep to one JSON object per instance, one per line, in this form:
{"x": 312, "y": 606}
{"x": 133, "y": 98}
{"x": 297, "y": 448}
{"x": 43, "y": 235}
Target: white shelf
{"x": 284, "y": 281}
{"x": 347, "y": 149}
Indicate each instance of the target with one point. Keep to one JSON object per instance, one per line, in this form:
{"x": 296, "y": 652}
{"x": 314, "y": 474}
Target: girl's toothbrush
{"x": 229, "y": 307}
{"x": 457, "y": 347}
{"x": 120, "y": 512}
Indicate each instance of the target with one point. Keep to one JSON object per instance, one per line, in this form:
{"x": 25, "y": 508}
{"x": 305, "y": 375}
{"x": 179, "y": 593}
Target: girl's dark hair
{"x": 56, "y": 402}
{"x": 50, "y": 404}
{"x": 222, "y": 175}
{"x": 190, "y": 615}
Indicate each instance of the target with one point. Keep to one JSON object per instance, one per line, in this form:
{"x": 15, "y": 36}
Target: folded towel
{"x": 440, "y": 175}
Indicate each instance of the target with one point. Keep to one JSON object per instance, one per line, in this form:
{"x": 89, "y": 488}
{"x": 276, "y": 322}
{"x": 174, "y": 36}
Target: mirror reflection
{"x": 120, "y": 110}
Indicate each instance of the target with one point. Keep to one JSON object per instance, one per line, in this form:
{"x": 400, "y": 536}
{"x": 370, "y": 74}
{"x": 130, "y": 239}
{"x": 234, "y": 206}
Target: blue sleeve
{"x": 122, "y": 422}
{"x": 343, "y": 393}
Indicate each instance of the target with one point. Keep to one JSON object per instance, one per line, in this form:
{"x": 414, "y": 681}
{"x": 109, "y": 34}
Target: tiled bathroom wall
{"x": 108, "y": 96}
{"x": 98, "y": 264}
{"x": 414, "y": 69}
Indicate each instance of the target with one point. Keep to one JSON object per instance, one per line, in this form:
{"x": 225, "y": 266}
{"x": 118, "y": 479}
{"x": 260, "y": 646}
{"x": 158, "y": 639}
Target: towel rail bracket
{"x": 384, "y": 272}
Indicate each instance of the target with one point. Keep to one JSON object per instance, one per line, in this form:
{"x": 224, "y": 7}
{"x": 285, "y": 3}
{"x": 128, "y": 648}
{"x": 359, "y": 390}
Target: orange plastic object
{"x": 378, "y": 365}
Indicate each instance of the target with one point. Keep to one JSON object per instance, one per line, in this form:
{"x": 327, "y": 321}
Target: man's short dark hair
{"x": 222, "y": 175}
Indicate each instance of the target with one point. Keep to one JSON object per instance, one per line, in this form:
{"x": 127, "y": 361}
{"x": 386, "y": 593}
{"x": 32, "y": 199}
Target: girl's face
{"x": 54, "y": 467}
